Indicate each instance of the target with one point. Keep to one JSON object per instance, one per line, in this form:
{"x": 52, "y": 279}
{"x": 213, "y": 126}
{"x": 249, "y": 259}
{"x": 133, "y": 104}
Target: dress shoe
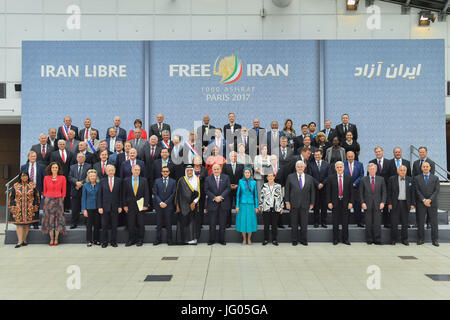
{"x": 405, "y": 242}
{"x": 130, "y": 243}
{"x": 223, "y": 243}
{"x": 170, "y": 243}
{"x": 335, "y": 242}
{"x": 210, "y": 243}
{"x": 74, "y": 226}
{"x": 347, "y": 242}
{"x": 360, "y": 225}
{"x": 157, "y": 242}
{"x": 24, "y": 244}
{"x": 104, "y": 245}
{"x": 18, "y": 246}
{"x": 305, "y": 243}
{"x": 393, "y": 243}
{"x": 316, "y": 225}
{"x": 369, "y": 242}
{"x": 139, "y": 244}
{"x": 428, "y": 226}
{"x": 419, "y": 242}
{"x": 435, "y": 243}
{"x": 387, "y": 226}
{"x": 89, "y": 244}
{"x": 265, "y": 242}
{"x": 324, "y": 226}
{"x": 275, "y": 243}
{"x": 294, "y": 243}
{"x": 228, "y": 226}
{"x": 97, "y": 243}
{"x": 114, "y": 245}
{"x": 377, "y": 243}
{"x": 281, "y": 226}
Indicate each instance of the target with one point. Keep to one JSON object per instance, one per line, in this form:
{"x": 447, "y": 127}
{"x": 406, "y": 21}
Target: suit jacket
{"x": 148, "y": 153}
{"x": 331, "y": 134}
{"x": 386, "y": 170}
{"x": 427, "y": 191}
{"x": 319, "y": 176}
{"x": 270, "y": 138}
{"x": 55, "y": 143}
{"x": 357, "y": 173}
{"x": 237, "y": 128}
{"x": 96, "y": 156}
{"x": 74, "y": 147}
{"x": 125, "y": 169}
{"x": 340, "y": 131}
{"x": 212, "y": 191}
{"x": 298, "y": 144}
{"x": 117, "y": 139}
{"x": 38, "y": 149}
{"x": 107, "y": 200}
{"x": 205, "y": 139}
{"x": 74, "y": 177}
{"x": 299, "y": 198}
{"x": 418, "y": 170}
{"x": 285, "y": 160}
{"x": 81, "y": 134}
{"x": 164, "y": 147}
{"x": 55, "y": 156}
{"x": 141, "y": 149}
{"x": 120, "y": 158}
{"x": 122, "y": 133}
{"x": 329, "y": 154}
{"x": 129, "y": 199}
{"x": 238, "y": 173}
{"x": 290, "y": 167}
{"x": 98, "y": 167}
{"x": 393, "y": 190}
{"x": 332, "y": 190}
{"x": 155, "y": 131}
{"x": 40, "y": 174}
{"x": 157, "y": 167}
{"x": 166, "y": 195}
{"x": 394, "y": 168}
{"x": 60, "y": 134}
{"x": 373, "y": 198}
{"x": 89, "y": 157}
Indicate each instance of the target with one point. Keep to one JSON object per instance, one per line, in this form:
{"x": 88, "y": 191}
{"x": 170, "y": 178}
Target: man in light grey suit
{"x": 299, "y": 197}
{"x": 372, "y": 190}
{"x": 141, "y": 145}
{"x": 427, "y": 191}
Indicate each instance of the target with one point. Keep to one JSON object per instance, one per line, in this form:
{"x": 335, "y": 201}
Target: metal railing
{"x": 445, "y": 176}
{"x": 8, "y": 188}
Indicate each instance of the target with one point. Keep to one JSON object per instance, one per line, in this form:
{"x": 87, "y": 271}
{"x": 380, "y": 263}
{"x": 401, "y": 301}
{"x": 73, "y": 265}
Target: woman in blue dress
{"x": 247, "y": 206}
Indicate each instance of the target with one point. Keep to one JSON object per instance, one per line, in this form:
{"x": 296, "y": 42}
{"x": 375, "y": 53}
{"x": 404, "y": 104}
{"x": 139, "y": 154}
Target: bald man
{"x": 158, "y": 127}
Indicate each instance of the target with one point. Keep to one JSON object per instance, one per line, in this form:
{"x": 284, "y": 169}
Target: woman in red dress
{"x": 214, "y": 158}
{"x": 53, "y": 221}
{"x": 137, "y": 124}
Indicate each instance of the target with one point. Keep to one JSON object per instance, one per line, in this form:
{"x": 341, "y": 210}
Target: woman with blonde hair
{"x": 89, "y": 207}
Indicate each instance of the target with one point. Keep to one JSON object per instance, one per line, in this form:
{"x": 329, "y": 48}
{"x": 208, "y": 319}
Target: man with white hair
{"x": 299, "y": 198}
{"x": 63, "y": 131}
{"x": 43, "y": 150}
{"x": 121, "y": 133}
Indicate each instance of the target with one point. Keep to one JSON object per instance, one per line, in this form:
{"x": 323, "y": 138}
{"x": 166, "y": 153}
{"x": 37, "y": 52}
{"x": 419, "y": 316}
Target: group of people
{"x": 114, "y": 181}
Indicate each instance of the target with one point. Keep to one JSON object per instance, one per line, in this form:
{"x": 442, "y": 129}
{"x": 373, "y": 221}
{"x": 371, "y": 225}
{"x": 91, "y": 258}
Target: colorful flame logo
{"x": 230, "y": 68}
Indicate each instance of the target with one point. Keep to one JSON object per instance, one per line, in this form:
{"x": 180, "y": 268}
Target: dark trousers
{"x": 373, "y": 223}
{"x": 400, "y": 214}
{"x": 270, "y": 218}
{"x": 75, "y": 204}
{"x": 302, "y": 215}
{"x": 340, "y": 216}
{"x": 320, "y": 207}
{"x": 166, "y": 214}
{"x": 421, "y": 212}
{"x": 199, "y": 217}
{"x": 386, "y": 216}
{"x": 110, "y": 218}
{"x": 357, "y": 208}
{"x": 217, "y": 216}
{"x": 93, "y": 221}
{"x": 233, "y": 204}
{"x": 135, "y": 222}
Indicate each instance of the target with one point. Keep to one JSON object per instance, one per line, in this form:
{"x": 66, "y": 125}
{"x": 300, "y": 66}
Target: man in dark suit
{"x": 121, "y": 133}
{"x": 300, "y": 198}
{"x": 319, "y": 170}
{"x": 384, "y": 168}
{"x": 127, "y": 166}
{"x": 298, "y": 140}
{"x": 122, "y": 157}
{"x": 85, "y": 133}
{"x": 231, "y": 131}
{"x": 135, "y": 188}
{"x": 77, "y": 177}
{"x": 164, "y": 189}
{"x": 285, "y": 152}
{"x": 355, "y": 169}
{"x": 82, "y": 148}
{"x": 43, "y": 150}
{"x": 153, "y": 151}
{"x": 234, "y": 171}
{"x": 112, "y": 139}
{"x": 109, "y": 203}
{"x": 63, "y": 131}
{"x": 52, "y": 141}
{"x": 64, "y": 158}
{"x": 423, "y": 157}
{"x": 158, "y": 164}
{"x": 206, "y": 132}
{"x": 290, "y": 167}
{"x": 427, "y": 188}
{"x": 339, "y": 194}
{"x": 341, "y": 129}
{"x": 165, "y": 141}
{"x": 273, "y": 139}
{"x": 307, "y": 144}
{"x": 217, "y": 188}
{"x": 372, "y": 190}
{"x": 244, "y": 139}
{"x": 401, "y": 199}
{"x": 36, "y": 173}
{"x": 330, "y": 133}
{"x": 158, "y": 127}
{"x": 100, "y": 166}
{"x": 102, "y": 146}
{"x": 398, "y": 161}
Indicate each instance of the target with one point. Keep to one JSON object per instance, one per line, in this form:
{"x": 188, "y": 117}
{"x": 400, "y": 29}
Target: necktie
{"x": 426, "y": 178}
{"x": 275, "y": 171}
{"x": 380, "y": 167}
{"x": 110, "y": 184}
{"x": 373, "y": 184}
{"x": 137, "y": 143}
{"x": 328, "y": 131}
{"x": 318, "y": 165}
{"x": 135, "y": 186}
{"x": 32, "y": 172}
{"x": 127, "y": 157}
{"x": 153, "y": 152}
{"x": 103, "y": 168}
{"x": 79, "y": 172}
{"x": 63, "y": 157}
{"x": 245, "y": 141}
{"x": 71, "y": 145}
{"x": 234, "y": 168}
{"x": 132, "y": 163}
{"x": 164, "y": 163}
{"x": 421, "y": 162}
{"x": 340, "y": 187}
{"x": 43, "y": 151}
{"x": 284, "y": 153}
{"x": 160, "y": 127}
{"x": 217, "y": 182}
{"x": 300, "y": 181}
{"x": 87, "y": 134}
{"x": 346, "y": 129}
{"x": 112, "y": 142}
{"x": 351, "y": 169}
{"x": 165, "y": 184}
{"x": 398, "y": 163}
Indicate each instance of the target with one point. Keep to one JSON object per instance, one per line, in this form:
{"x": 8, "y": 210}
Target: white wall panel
{"x": 393, "y": 27}
{"x": 59, "y": 6}
{"x": 98, "y": 27}
{"x": 13, "y": 65}
{"x": 173, "y": 27}
{"x": 172, "y": 7}
{"x": 99, "y": 6}
{"x": 135, "y": 27}
{"x": 244, "y": 7}
{"x": 24, "y": 6}
{"x": 293, "y": 8}
{"x": 353, "y": 27}
{"x": 23, "y": 27}
{"x": 208, "y": 27}
{"x": 281, "y": 27}
{"x": 209, "y": 6}
{"x": 2, "y": 5}
{"x": 3, "y": 65}
{"x": 244, "y": 27}
{"x": 318, "y": 27}
{"x": 2, "y": 27}
{"x": 135, "y": 6}
{"x": 55, "y": 28}
{"x": 318, "y": 7}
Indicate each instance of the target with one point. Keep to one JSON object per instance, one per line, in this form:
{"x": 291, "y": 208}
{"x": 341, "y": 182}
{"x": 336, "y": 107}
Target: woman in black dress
{"x": 350, "y": 145}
